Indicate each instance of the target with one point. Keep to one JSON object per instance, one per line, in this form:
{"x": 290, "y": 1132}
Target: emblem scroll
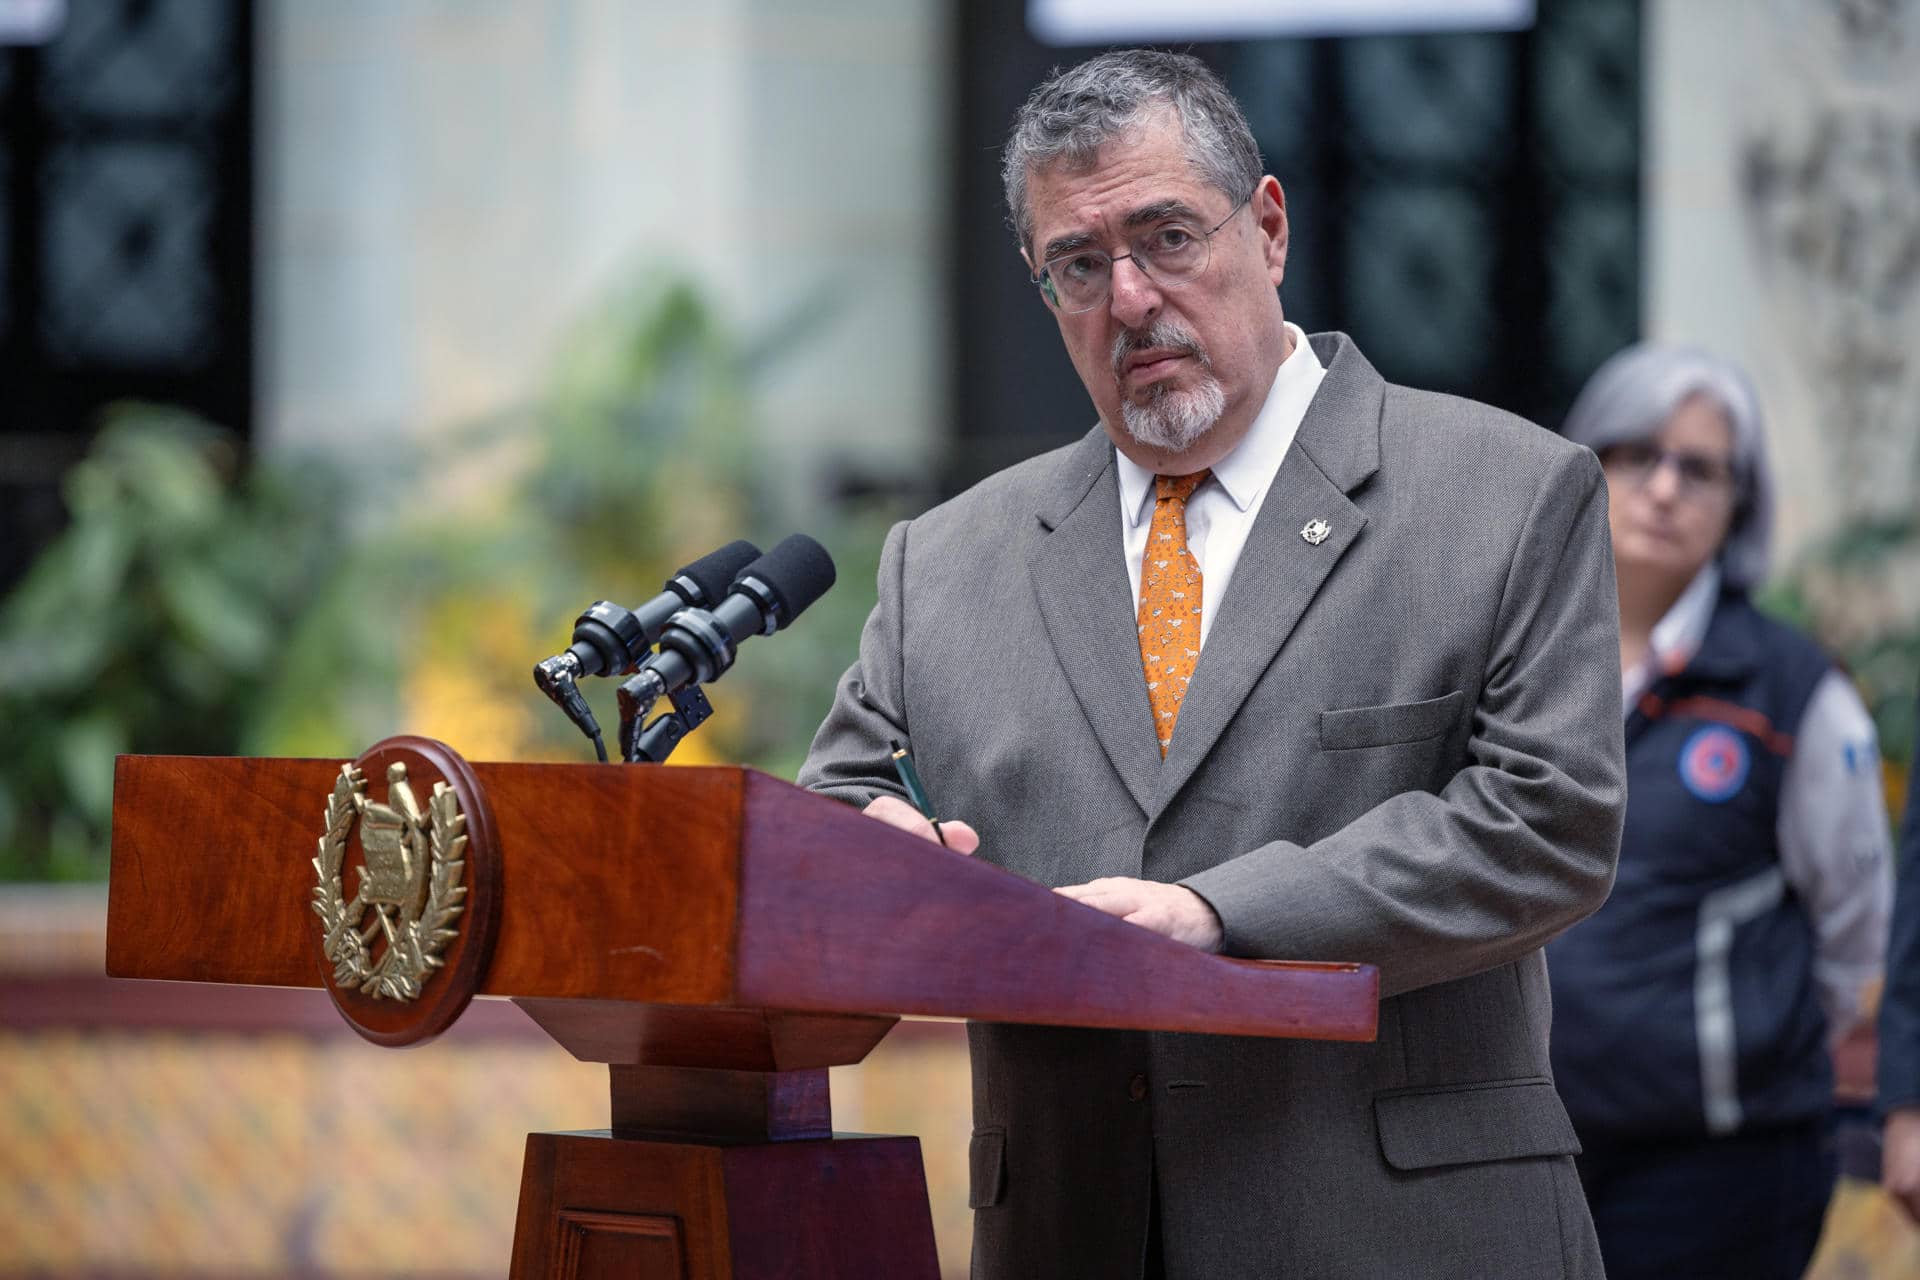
{"x": 411, "y": 880}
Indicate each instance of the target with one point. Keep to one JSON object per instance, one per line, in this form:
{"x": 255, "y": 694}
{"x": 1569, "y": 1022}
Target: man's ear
{"x": 1270, "y": 209}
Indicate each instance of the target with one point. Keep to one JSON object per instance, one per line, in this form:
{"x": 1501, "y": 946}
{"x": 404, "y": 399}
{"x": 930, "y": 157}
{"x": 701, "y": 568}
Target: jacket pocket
{"x": 987, "y": 1168}
{"x": 1383, "y": 726}
{"x": 1469, "y": 1123}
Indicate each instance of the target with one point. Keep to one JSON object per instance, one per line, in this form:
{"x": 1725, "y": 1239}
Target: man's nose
{"x": 1135, "y": 297}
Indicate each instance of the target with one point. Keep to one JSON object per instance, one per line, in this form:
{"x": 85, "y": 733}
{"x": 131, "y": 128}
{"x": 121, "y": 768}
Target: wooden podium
{"x": 720, "y": 938}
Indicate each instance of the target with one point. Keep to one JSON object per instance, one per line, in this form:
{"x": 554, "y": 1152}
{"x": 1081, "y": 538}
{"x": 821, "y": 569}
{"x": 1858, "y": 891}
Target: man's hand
{"x": 1171, "y": 909}
{"x": 896, "y": 812}
{"x": 1900, "y": 1159}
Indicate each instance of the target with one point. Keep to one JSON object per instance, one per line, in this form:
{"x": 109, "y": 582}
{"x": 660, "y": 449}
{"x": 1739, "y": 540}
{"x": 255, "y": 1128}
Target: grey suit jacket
{"x": 1400, "y": 746}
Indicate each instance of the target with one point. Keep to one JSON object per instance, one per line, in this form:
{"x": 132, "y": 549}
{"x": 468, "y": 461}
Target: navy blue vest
{"x": 1686, "y": 1005}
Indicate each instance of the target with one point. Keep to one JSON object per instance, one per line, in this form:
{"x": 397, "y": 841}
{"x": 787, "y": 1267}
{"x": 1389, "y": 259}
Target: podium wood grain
{"x": 714, "y": 888}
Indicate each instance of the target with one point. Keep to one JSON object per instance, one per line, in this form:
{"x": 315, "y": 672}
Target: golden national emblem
{"x": 410, "y": 882}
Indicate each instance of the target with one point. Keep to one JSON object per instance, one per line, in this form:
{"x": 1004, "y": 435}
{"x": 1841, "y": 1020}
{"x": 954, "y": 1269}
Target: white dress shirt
{"x": 1832, "y": 833}
{"x": 1221, "y": 512}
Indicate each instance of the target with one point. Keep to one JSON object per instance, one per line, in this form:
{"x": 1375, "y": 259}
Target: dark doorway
{"x": 126, "y": 235}
{"x": 1466, "y": 205}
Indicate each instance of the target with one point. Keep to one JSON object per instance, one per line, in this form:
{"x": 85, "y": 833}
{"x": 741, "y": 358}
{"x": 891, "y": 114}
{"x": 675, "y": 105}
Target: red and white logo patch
{"x": 1714, "y": 763}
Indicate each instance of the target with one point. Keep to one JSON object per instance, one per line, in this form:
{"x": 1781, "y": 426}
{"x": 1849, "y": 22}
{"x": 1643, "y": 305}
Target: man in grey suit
{"x": 1279, "y": 660}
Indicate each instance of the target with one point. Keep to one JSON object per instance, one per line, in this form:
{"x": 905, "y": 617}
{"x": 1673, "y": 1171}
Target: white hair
{"x": 1631, "y": 397}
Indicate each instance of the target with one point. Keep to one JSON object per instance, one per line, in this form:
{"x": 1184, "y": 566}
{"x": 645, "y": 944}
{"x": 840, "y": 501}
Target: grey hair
{"x": 1074, "y": 111}
{"x": 1631, "y": 397}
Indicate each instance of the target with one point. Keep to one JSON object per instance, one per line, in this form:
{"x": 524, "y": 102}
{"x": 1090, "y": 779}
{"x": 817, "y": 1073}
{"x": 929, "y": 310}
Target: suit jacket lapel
{"x": 1336, "y": 449}
{"x": 1080, "y": 581}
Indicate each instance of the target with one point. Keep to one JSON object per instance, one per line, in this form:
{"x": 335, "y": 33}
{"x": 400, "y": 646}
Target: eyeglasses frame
{"x": 1044, "y": 282}
{"x": 1729, "y": 487}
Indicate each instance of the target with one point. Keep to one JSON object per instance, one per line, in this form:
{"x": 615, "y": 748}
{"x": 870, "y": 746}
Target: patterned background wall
{"x": 176, "y": 1129}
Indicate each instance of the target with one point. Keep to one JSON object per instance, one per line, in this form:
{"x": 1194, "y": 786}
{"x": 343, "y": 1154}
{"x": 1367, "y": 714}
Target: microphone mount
{"x": 654, "y": 743}
{"x": 558, "y": 678}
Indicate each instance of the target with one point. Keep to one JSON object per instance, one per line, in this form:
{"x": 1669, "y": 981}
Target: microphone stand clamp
{"x": 655, "y": 742}
{"x": 558, "y": 679}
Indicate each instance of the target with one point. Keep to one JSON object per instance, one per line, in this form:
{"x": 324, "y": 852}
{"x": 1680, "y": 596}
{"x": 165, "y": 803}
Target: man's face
{"x": 1165, "y": 363}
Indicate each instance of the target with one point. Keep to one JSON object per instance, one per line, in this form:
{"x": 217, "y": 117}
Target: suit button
{"x": 1137, "y": 1088}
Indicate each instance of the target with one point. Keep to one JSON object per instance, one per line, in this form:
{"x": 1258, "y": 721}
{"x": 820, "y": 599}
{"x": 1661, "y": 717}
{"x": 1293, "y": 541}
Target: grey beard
{"x": 1172, "y": 420}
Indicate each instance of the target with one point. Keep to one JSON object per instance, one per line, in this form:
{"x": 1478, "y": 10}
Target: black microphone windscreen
{"x": 715, "y": 571}
{"x": 798, "y": 571}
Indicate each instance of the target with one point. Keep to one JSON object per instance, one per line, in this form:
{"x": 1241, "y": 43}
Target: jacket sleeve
{"x": 1522, "y": 842}
{"x": 849, "y": 758}
{"x": 1834, "y": 846}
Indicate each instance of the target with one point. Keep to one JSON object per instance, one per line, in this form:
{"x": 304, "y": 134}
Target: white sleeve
{"x": 1836, "y": 848}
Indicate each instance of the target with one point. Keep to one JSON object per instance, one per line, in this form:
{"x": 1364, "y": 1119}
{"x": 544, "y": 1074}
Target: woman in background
{"x": 1693, "y": 1013}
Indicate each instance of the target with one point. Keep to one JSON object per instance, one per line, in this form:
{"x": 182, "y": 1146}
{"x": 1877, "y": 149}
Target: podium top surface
{"x": 691, "y": 886}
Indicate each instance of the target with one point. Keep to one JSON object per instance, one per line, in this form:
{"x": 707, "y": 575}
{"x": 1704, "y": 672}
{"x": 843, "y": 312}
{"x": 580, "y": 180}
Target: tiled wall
{"x": 167, "y": 1129}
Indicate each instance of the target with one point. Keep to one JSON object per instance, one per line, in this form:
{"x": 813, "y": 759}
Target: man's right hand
{"x": 896, "y": 812}
{"x": 1900, "y": 1159}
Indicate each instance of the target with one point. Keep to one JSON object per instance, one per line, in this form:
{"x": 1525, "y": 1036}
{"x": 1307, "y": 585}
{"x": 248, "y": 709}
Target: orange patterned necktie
{"x": 1169, "y": 603}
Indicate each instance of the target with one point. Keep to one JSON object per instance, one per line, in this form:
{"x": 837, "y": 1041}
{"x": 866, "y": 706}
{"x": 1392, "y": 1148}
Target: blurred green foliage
{"x": 306, "y": 606}
{"x": 152, "y": 624}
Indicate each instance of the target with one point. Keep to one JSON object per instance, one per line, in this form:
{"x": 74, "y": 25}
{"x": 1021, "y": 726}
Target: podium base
{"x": 596, "y": 1205}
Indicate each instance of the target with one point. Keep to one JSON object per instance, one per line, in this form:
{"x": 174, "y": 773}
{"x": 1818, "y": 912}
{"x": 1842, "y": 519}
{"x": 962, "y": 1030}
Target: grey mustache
{"x": 1161, "y": 337}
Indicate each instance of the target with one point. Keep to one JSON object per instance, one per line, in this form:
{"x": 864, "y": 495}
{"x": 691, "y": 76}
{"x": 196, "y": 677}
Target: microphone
{"x": 698, "y": 645}
{"x": 608, "y": 638}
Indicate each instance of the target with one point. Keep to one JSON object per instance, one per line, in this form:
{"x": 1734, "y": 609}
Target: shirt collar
{"x": 1677, "y": 636}
{"x": 1247, "y": 470}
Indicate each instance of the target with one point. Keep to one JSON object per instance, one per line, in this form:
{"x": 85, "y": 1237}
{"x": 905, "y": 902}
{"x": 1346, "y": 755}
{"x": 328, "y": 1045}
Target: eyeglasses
{"x": 1700, "y": 474}
{"x": 1171, "y": 253}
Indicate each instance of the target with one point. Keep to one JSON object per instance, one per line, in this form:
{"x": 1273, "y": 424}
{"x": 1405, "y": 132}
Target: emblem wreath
{"x": 423, "y": 933}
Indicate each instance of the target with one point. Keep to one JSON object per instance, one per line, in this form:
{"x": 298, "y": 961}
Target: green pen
{"x": 910, "y": 778}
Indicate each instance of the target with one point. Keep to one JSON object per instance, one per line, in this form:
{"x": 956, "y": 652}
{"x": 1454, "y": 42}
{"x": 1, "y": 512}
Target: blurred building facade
{"x": 439, "y": 193}
{"x": 447, "y": 188}
{"x": 1783, "y": 197}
